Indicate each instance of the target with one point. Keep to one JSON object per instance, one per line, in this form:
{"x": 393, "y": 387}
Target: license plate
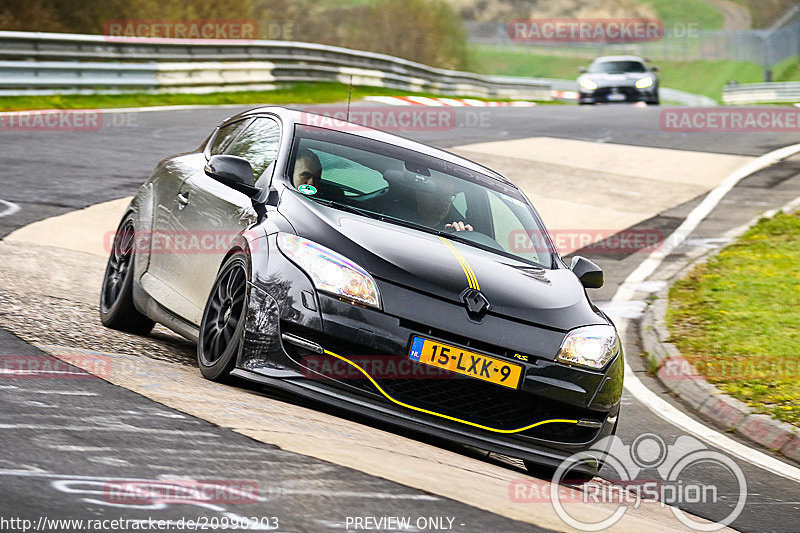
{"x": 616, "y": 96}
{"x": 464, "y": 362}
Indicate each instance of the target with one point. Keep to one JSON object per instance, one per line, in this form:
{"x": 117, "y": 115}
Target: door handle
{"x": 183, "y": 199}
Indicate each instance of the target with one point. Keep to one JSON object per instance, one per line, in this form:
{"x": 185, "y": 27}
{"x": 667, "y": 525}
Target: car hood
{"x": 627, "y": 79}
{"x": 420, "y": 261}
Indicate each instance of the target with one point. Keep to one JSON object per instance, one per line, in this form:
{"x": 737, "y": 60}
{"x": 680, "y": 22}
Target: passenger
{"x": 435, "y": 207}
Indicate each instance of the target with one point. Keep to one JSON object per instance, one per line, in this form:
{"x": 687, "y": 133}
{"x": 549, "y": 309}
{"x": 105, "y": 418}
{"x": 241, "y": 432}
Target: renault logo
{"x": 476, "y": 303}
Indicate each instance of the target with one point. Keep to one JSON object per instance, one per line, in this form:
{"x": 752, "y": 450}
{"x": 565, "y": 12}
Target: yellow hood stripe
{"x": 472, "y": 280}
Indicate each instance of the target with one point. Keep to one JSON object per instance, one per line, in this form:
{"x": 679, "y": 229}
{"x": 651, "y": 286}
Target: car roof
{"x": 605, "y": 59}
{"x": 292, "y": 117}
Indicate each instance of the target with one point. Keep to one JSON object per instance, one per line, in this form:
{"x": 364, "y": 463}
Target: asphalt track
{"x": 58, "y": 434}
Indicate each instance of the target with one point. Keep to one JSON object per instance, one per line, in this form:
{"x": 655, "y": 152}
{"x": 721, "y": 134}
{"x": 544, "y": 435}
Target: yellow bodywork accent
{"x": 471, "y": 278}
{"x": 495, "y": 430}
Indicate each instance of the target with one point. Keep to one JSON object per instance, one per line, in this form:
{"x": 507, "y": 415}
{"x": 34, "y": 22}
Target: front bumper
{"x": 470, "y": 411}
{"x": 618, "y": 94}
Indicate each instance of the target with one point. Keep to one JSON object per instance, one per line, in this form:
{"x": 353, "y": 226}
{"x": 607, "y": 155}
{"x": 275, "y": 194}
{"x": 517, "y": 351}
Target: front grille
{"x": 629, "y": 92}
{"x": 466, "y": 398}
{"x": 483, "y": 403}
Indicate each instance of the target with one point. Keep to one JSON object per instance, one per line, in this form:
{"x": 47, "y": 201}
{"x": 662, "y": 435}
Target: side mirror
{"x": 582, "y": 70}
{"x": 589, "y": 274}
{"x": 654, "y": 68}
{"x": 233, "y": 171}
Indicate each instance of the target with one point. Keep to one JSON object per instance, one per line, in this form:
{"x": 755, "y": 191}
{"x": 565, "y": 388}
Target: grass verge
{"x": 683, "y": 13}
{"x": 303, "y": 93}
{"x": 737, "y": 318}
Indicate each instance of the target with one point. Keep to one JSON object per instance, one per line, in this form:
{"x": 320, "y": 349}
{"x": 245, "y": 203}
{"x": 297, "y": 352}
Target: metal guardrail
{"x": 56, "y": 63}
{"x": 684, "y": 98}
{"x": 35, "y": 63}
{"x": 762, "y": 93}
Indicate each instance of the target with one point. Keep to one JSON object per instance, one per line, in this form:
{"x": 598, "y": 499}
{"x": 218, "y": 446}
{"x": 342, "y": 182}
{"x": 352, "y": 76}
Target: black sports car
{"x": 372, "y": 273}
{"x": 612, "y": 79}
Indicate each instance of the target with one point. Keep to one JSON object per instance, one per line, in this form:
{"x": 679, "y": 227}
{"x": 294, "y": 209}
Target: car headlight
{"x": 644, "y": 83}
{"x": 329, "y": 271}
{"x": 586, "y": 83}
{"x": 590, "y": 346}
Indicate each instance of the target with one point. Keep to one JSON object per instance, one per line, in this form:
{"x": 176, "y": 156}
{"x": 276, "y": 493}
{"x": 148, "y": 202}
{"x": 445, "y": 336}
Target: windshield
{"x": 616, "y": 67}
{"x": 413, "y": 189}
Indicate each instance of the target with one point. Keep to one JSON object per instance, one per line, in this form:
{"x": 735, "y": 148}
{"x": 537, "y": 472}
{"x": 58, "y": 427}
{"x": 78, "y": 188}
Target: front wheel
{"x": 223, "y": 320}
{"x": 573, "y": 476}
{"x": 116, "y": 296}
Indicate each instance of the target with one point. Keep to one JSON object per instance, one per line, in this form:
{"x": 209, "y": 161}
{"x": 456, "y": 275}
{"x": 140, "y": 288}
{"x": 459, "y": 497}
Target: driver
{"x": 435, "y": 205}
{"x": 307, "y": 168}
{"x": 308, "y": 171}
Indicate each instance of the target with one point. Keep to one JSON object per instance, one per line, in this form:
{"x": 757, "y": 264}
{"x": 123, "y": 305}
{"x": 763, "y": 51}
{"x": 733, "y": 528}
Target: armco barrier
{"x": 35, "y": 63}
{"x": 60, "y": 63}
{"x": 762, "y": 93}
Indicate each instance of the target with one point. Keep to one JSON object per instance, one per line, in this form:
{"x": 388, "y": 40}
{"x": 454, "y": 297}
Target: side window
{"x": 460, "y": 203}
{"x": 258, "y": 144}
{"x": 506, "y": 224}
{"x": 224, "y": 136}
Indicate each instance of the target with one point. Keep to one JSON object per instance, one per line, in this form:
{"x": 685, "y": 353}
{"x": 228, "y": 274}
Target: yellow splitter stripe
{"x": 454, "y": 419}
{"x": 472, "y": 280}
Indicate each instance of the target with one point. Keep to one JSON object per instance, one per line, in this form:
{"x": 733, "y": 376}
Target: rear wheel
{"x": 223, "y": 320}
{"x": 116, "y": 296}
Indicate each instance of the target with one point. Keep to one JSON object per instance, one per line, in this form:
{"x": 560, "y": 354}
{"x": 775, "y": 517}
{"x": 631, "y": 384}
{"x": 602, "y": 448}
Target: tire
{"x": 222, "y": 326}
{"x": 547, "y": 472}
{"x": 117, "y": 310}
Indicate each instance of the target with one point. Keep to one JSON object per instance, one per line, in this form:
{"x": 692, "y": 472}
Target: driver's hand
{"x": 458, "y": 226}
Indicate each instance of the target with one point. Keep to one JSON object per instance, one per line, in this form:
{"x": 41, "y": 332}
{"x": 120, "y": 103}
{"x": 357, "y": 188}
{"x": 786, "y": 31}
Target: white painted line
{"x": 626, "y": 291}
{"x": 698, "y": 214}
{"x": 10, "y": 208}
{"x": 59, "y": 392}
{"x": 685, "y": 423}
